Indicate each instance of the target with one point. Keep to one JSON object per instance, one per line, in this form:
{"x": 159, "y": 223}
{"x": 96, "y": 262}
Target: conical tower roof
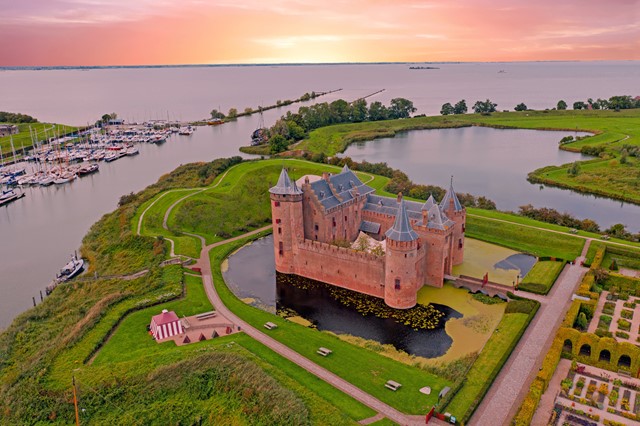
{"x": 429, "y": 203}
{"x": 345, "y": 168}
{"x": 285, "y": 185}
{"x": 451, "y": 195}
{"x": 401, "y": 229}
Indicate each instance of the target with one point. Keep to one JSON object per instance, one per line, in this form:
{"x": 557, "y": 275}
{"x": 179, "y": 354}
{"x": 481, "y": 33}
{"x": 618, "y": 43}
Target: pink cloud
{"x": 103, "y": 32}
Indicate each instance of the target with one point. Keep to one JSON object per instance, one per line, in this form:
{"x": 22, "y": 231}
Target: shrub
{"x": 521, "y": 306}
{"x": 624, "y": 324}
{"x": 622, "y": 334}
{"x": 627, "y": 314}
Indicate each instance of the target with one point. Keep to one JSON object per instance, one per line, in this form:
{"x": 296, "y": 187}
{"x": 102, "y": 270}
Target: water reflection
{"x": 316, "y": 303}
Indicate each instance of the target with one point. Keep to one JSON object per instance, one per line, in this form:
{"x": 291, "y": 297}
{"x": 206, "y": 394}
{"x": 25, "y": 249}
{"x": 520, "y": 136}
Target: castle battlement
{"x": 423, "y": 241}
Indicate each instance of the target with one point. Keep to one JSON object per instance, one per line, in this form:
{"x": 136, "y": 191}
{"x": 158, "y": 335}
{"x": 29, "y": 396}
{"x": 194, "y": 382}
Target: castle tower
{"x": 287, "y": 220}
{"x": 454, "y": 211}
{"x": 402, "y": 276}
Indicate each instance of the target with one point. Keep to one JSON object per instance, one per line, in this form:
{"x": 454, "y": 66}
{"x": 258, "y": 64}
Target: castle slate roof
{"x": 429, "y": 203}
{"x": 285, "y": 185}
{"x": 451, "y": 195}
{"x": 344, "y": 184}
{"x": 401, "y": 229}
{"x": 389, "y": 206}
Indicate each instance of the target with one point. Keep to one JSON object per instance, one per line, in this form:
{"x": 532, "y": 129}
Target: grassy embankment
{"x": 603, "y": 176}
{"x": 23, "y": 138}
{"x": 44, "y": 346}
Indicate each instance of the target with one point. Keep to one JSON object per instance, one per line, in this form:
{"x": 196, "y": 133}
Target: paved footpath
{"x": 501, "y": 403}
{"x": 322, "y": 373}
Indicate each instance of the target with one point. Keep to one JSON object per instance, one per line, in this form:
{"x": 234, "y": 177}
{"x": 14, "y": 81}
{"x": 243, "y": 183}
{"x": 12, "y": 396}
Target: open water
{"x": 39, "y": 232}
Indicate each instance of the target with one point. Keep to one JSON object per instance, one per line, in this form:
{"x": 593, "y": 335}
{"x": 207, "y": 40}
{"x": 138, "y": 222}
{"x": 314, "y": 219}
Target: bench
{"x": 324, "y": 351}
{"x": 394, "y": 386}
{"x": 270, "y": 325}
{"x": 206, "y": 315}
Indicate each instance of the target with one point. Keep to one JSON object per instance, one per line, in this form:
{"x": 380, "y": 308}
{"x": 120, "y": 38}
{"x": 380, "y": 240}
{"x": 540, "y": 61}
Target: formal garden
{"x": 594, "y": 394}
{"x": 599, "y": 331}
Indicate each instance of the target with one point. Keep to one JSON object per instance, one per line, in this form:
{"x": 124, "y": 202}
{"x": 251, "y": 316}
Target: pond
{"x": 493, "y": 163}
{"x": 318, "y": 304}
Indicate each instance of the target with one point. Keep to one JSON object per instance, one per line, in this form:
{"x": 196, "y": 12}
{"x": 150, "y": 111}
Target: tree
{"x": 579, "y": 105}
{"x": 280, "y": 128}
{"x": 359, "y": 111}
{"x": 362, "y": 243}
{"x": 485, "y": 107}
{"x": 562, "y": 105}
{"x": 106, "y": 118}
{"x": 277, "y": 143}
{"x": 520, "y": 107}
{"x": 401, "y": 108}
{"x": 377, "y": 250}
{"x": 215, "y": 114}
{"x": 574, "y": 169}
{"x": 617, "y": 230}
{"x": 233, "y": 113}
{"x": 581, "y": 321}
{"x": 248, "y": 110}
{"x": 340, "y": 111}
{"x": 447, "y": 109}
{"x": 377, "y": 111}
{"x": 295, "y": 131}
{"x": 460, "y": 107}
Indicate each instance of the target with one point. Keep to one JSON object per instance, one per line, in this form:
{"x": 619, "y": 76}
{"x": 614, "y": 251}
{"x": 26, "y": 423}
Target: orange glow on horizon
{"x": 138, "y": 32}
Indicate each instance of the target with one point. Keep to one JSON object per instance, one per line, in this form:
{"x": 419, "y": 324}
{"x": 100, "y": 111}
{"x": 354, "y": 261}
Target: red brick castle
{"x": 418, "y": 243}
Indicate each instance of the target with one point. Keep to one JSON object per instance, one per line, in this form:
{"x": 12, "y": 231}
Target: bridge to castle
{"x": 475, "y": 285}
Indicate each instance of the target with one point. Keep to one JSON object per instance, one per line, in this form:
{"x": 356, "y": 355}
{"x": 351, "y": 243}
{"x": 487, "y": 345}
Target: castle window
{"x": 345, "y": 218}
{"x": 397, "y": 284}
{"x": 460, "y": 243}
{"x": 279, "y": 230}
{"x": 280, "y": 248}
{"x": 315, "y": 226}
{"x": 276, "y": 203}
{"x": 463, "y": 227}
{"x": 316, "y": 237}
{"x": 333, "y": 219}
{"x": 278, "y": 220}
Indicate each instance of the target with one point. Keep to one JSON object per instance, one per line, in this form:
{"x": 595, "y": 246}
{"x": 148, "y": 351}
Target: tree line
{"x": 293, "y": 127}
{"x": 16, "y": 117}
{"x": 545, "y": 214}
{"x": 615, "y": 103}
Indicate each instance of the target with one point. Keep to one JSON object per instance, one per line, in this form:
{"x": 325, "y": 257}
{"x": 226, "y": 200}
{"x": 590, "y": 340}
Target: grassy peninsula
{"x": 607, "y": 175}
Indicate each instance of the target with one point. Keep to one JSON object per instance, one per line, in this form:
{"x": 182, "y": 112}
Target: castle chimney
{"x": 399, "y": 196}
{"x": 325, "y": 176}
{"x": 306, "y": 180}
{"x": 425, "y": 217}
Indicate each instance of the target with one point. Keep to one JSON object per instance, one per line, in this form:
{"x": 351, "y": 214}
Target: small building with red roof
{"x": 165, "y": 325}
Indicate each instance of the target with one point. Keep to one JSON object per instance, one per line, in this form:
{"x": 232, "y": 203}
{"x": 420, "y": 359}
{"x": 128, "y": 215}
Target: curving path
{"x": 380, "y": 407}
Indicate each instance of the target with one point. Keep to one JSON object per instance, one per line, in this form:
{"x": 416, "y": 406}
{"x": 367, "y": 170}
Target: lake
{"x": 493, "y": 163}
{"x": 39, "y": 232}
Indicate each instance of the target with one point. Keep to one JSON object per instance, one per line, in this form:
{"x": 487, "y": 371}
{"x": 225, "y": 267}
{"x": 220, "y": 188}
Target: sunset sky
{"x": 133, "y": 32}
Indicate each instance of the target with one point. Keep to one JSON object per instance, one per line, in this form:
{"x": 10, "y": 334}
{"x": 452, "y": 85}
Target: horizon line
{"x": 204, "y": 65}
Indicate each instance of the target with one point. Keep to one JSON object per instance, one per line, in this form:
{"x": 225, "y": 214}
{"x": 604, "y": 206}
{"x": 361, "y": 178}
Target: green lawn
{"x": 483, "y": 371}
{"x": 524, "y": 239}
{"x": 541, "y": 277}
{"x": 361, "y": 367}
{"x": 23, "y": 138}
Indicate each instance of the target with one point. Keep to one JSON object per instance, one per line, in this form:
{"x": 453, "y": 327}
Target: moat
{"x": 259, "y": 286}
